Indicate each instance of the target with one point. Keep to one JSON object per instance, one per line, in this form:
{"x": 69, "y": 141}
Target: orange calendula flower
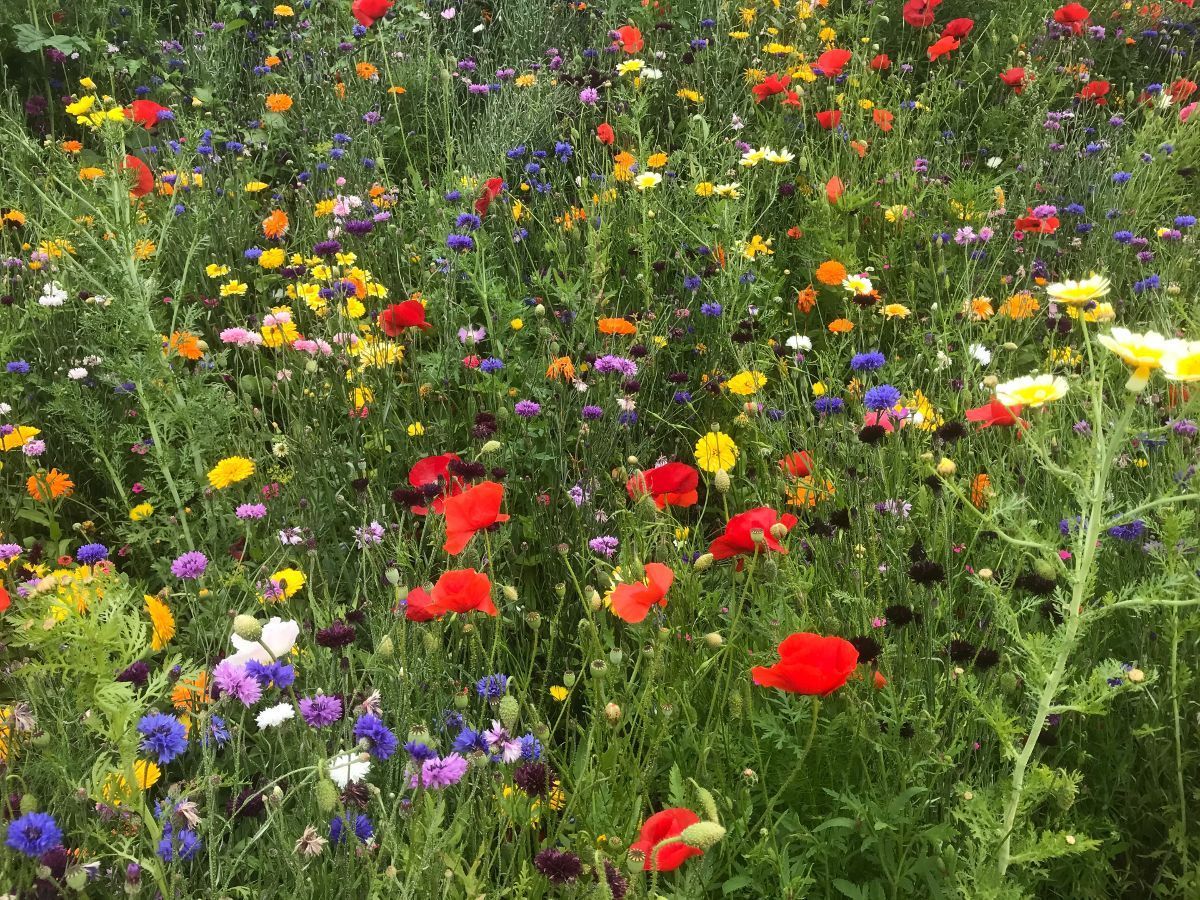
{"x": 276, "y": 224}
{"x": 831, "y": 273}
{"x": 806, "y": 299}
{"x": 841, "y": 326}
{"x": 561, "y": 368}
{"x": 71, "y": 146}
{"x": 1021, "y": 305}
{"x": 278, "y": 103}
{"x": 366, "y": 71}
{"x": 185, "y": 344}
{"x": 616, "y": 326}
{"x": 981, "y": 489}
{"x": 191, "y": 693}
{"x": 52, "y": 485}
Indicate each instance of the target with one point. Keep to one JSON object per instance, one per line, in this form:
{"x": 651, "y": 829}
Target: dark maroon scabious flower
{"x": 337, "y": 635}
{"x": 560, "y": 866}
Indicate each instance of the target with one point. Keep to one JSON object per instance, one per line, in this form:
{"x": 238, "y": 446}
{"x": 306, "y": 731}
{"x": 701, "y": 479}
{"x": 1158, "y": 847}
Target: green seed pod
{"x": 703, "y": 835}
{"x": 327, "y": 795}
{"x": 247, "y": 627}
{"x": 569, "y": 679}
{"x": 461, "y": 701}
{"x": 77, "y": 879}
{"x": 430, "y": 641}
{"x": 598, "y": 668}
{"x": 386, "y": 648}
{"x": 616, "y": 655}
{"x": 707, "y": 802}
{"x": 560, "y": 590}
{"x": 510, "y": 711}
{"x": 29, "y": 803}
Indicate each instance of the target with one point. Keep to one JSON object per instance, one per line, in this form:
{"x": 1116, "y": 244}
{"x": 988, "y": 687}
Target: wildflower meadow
{"x": 658, "y": 449}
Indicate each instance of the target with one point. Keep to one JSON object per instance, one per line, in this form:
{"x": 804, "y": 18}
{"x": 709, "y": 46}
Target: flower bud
{"x": 632, "y": 460}
{"x": 721, "y": 481}
{"x": 491, "y": 446}
{"x": 77, "y": 879}
{"x": 749, "y": 776}
{"x": 704, "y": 561}
{"x": 510, "y": 593}
{"x": 510, "y": 711}
{"x": 1137, "y": 676}
{"x": 779, "y": 531}
{"x": 946, "y": 467}
{"x": 984, "y": 574}
{"x": 714, "y": 639}
{"x": 326, "y": 795}
{"x": 430, "y": 641}
{"x": 703, "y": 835}
{"x": 707, "y": 802}
{"x": 612, "y": 712}
{"x": 990, "y": 381}
{"x": 386, "y": 648}
{"x": 247, "y": 627}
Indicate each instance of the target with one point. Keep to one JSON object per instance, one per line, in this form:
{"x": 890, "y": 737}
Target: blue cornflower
{"x": 531, "y": 747}
{"x": 1121, "y": 177}
{"x": 17, "y": 367}
{"x": 33, "y": 834}
{"x": 490, "y": 365}
{"x": 163, "y": 736}
{"x": 563, "y": 150}
{"x": 711, "y": 309}
{"x": 460, "y": 243}
{"x": 1129, "y": 532}
{"x": 692, "y": 282}
{"x": 382, "y": 743}
{"x": 363, "y": 829}
{"x": 828, "y": 405}
{"x": 467, "y": 221}
{"x": 89, "y": 554}
{"x": 867, "y": 362}
{"x": 469, "y": 740}
{"x": 881, "y": 397}
{"x": 492, "y": 687}
{"x": 217, "y": 732}
{"x": 420, "y": 752}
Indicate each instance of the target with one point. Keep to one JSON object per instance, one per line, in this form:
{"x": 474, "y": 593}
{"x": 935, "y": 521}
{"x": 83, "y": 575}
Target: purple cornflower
{"x": 363, "y": 829}
{"x": 190, "y": 565}
{"x": 605, "y": 545}
{"x": 321, "y": 710}
{"x": 589, "y": 96}
{"x": 237, "y": 682}
{"x": 441, "y": 773}
{"x": 592, "y": 412}
{"x": 492, "y": 687}
{"x": 460, "y": 243}
{"x": 527, "y": 409}
{"x": 607, "y": 364}
{"x": 367, "y": 535}
{"x": 829, "y": 405}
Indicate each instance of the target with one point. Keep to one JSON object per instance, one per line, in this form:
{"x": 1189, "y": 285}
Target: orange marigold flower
{"x": 831, "y": 273}
{"x": 275, "y": 225}
{"x": 71, "y": 146}
{"x": 806, "y": 299}
{"x": 365, "y": 70}
{"x": 185, "y": 344}
{"x": 978, "y": 309}
{"x": 278, "y": 103}
{"x": 616, "y": 326}
{"x": 52, "y": 485}
{"x": 561, "y": 368}
{"x": 272, "y": 61}
{"x": 191, "y": 693}
{"x": 981, "y": 489}
{"x": 1021, "y": 305}
{"x": 841, "y": 326}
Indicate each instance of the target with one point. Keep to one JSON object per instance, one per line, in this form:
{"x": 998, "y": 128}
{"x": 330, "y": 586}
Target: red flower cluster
{"x": 671, "y": 484}
{"x": 470, "y": 511}
{"x": 399, "y": 316}
{"x": 669, "y": 823}
{"x": 742, "y": 529}
{"x": 809, "y": 664}
{"x": 632, "y": 602}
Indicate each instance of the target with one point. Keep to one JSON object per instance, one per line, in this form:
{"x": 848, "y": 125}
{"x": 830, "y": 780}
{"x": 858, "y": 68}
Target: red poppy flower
{"x": 834, "y": 188}
{"x": 829, "y": 118}
{"x": 419, "y": 606}
{"x": 145, "y": 112}
{"x": 1181, "y": 89}
{"x": 1073, "y": 15}
{"x": 672, "y": 484}
{"x": 1014, "y": 78}
{"x": 474, "y": 509}
{"x": 995, "y": 413}
{"x": 491, "y": 190}
{"x": 770, "y": 86}
{"x": 738, "y": 538}
{"x": 143, "y": 178}
{"x": 5, "y": 600}
{"x": 605, "y": 134}
{"x": 919, "y": 13}
{"x": 669, "y": 823}
{"x": 883, "y": 118}
{"x": 399, "y": 316}
{"x": 367, "y": 12}
{"x": 461, "y": 591}
{"x": 958, "y": 28}
{"x": 942, "y": 46}
{"x": 881, "y": 62}
{"x": 1095, "y": 90}
{"x": 433, "y": 470}
{"x": 630, "y": 39}
{"x": 1031, "y": 224}
{"x": 809, "y": 664}
{"x": 798, "y": 464}
{"x": 831, "y": 62}
{"x": 632, "y": 602}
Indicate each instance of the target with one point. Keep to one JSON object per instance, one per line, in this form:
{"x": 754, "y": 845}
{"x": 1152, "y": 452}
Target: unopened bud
{"x": 990, "y": 381}
{"x": 386, "y": 648}
{"x": 721, "y": 481}
{"x": 510, "y": 711}
{"x": 491, "y": 446}
{"x": 706, "y": 802}
{"x": 510, "y": 593}
{"x": 247, "y": 627}
{"x": 703, "y": 835}
{"x": 77, "y": 879}
{"x": 946, "y": 467}
{"x": 714, "y": 639}
{"x": 1137, "y": 676}
{"x": 984, "y": 574}
{"x": 612, "y": 712}
{"x": 326, "y": 795}
{"x": 631, "y": 460}
{"x": 704, "y": 561}
{"x": 779, "y": 531}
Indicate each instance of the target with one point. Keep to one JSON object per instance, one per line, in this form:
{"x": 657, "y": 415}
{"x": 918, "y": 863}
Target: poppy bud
{"x": 247, "y": 627}
{"x": 430, "y": 641}
{"x": 632, "y": 460}
{"x": 29, "y": 804}
{"x": 569, "y": 679}
{"x": 1137, "y": 676}
{"x": 510, "y": 593}
{"x": 327, "y": 795}
{"x": 721, "y": 481}
{"x": 704, "y": 561}
{"x": 595, "y": 601}
{"x": 386, "y": 648}
{"x": 1009, "y": 345}
{"x": 1044, "y": 569}
{"x": 1008, "y": 682}
{"x": 991, "y": 381}
{"x": 510, "y": 711}
{"x": 77, "y": 879}
{"x": 946, "y": 467}
{"x": 714, "y": 639}
{"x": 612, "y": 712}
{"x": 779, "y": 531}
{"x": 491, "y": 447}
{"x": 703, "y": 835}
{"x": 541, "y": 731}
{"x": 540, "y": 309}
{"x": 707, "y": 802}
